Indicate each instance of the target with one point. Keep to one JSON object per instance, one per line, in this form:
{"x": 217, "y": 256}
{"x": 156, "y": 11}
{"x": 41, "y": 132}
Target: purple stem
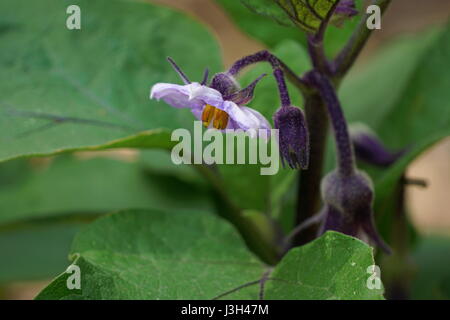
{"x": 347, "y": 57}
{"x": 282, "y": 88}
{"x": 345, "y": 159}
{"x": 265, "y": 56}
{"x": 317, "y": 55}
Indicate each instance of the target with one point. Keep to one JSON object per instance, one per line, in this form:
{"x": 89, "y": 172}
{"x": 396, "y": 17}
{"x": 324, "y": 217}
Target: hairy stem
{"x": 317, "y": 119}
{"x": 279, "y": 68}
{"x": 347, "y": 57}
{"x": 344, "y": 148}
{"x": 317, "y": 54}
{"x": 315, "y": 43}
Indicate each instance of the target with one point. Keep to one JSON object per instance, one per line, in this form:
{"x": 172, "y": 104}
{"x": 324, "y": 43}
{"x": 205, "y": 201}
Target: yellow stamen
{"x": 220, "y": 117}
{"x": 207, "y": 115}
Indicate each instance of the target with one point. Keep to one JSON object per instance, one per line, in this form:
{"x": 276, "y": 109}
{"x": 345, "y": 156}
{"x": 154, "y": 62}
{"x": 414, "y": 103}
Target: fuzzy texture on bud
{"x": 225, "y": 83}
{"x": 293, "y": 137}
{"x": 348, "y": 206}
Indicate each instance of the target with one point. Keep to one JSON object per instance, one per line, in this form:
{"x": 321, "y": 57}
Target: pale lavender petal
{"x": 175, "y": 95}
{"x": 245, "y": 118}
{"x": 206, "y": 94}
{"x": 192, "y": 95}
{"x": 263, "y": 123}
{"x": 197, "y": 112}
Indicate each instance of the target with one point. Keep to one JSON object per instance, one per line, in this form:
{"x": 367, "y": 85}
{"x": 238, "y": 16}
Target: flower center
{"x": 217, "y": 116}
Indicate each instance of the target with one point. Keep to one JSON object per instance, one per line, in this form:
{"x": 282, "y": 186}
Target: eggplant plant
{"x": 280, "y": 176}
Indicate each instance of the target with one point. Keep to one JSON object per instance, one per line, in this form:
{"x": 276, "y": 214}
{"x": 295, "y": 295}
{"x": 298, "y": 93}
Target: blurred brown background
{"x": 430, "y": 206}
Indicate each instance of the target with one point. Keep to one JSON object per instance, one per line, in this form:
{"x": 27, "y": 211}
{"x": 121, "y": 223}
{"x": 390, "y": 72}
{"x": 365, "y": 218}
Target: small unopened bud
{"x": 346, "y": 9}
{"x": 370, "y": 149}
{"x": 293, "y": 137}
{"x": 348, "y": 204}
{"x": 225, "y": 83}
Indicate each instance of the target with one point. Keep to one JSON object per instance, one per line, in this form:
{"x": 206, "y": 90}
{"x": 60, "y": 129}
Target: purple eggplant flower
{"x": 370, "y": 149}
{"x": 293, "y": 137}
{"x": 220, "y": 105}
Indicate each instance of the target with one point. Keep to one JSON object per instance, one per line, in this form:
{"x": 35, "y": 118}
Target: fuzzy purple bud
{"x": 346, "y": 9}
{"x": 225, "y": 83}
{"x": 293, "y": 137}
{"x": 370, "y": 149}
{"x": 348, "y": 205}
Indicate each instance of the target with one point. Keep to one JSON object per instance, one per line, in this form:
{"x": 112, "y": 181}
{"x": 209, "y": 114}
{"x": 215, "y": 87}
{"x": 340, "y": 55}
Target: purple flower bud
{"x": 348, "y": 206}
{"x": 225, "y": 83}
{"x": 346, "y": 9}
{"x": 370, "y": 149}
{"x": 293, "y": 137}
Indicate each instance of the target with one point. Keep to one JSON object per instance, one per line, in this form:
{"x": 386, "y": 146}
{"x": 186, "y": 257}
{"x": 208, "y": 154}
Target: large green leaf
{"x": 331, "y": 267}
{"x": 42, "y": 208}
{"x": 259, "y": 27}
{"x": 424, "y": 107}
{"x": 37, "y": 252}
{"x": 380, "y": 84}
{"x": 71, "y": 187}
{"x": 423, "y": 114}
{"x": 78, "y": 89}
{"x": 383, "y": 95}
{"x": 361, "y": 90}
{"x": 156, "y": 255}
{"x": 432, "y": 277}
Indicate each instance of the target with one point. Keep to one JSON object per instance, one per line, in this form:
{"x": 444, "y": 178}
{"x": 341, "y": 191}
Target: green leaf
{"x": 45, "y": 206}
{"x": 362, "y": 88}
{"x": 393, "y": 76}
{"x": 270, "y": 9}
{"x": 272, "y": 34}
{"x": 333, "y": 267}
{"x": 71, "y": 189}
{"x": 156, "y": 255}
{"x": 386, "y": 75}
{"x": 424, "y": 107}
{"x": 258, "y": 27}
{"x": 37, "y": 252}
{"x": 432, "y": 258}
{"x": 308, "y": 14}
{"x": 63, "y": 90}
{"x": 134, "y": 255}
